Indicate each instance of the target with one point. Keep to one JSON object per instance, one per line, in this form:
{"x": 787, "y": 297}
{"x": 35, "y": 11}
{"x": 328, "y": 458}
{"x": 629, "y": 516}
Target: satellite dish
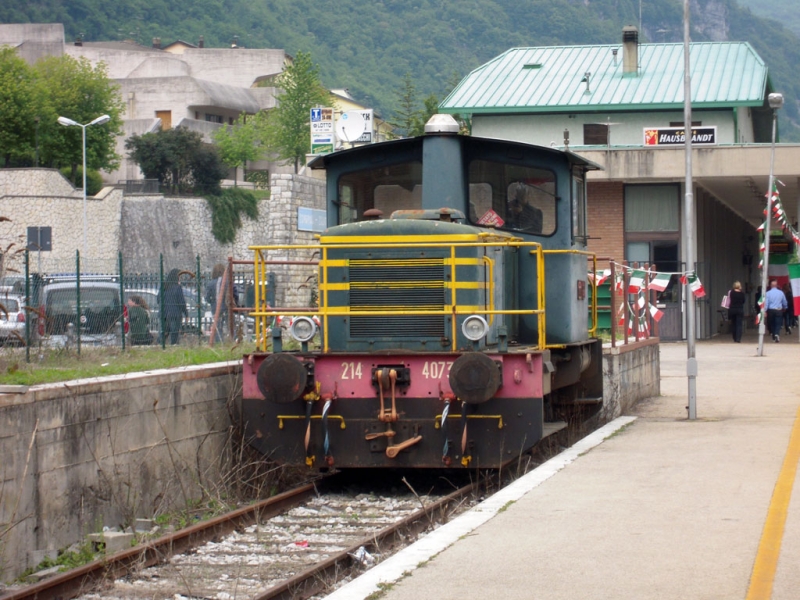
{"x": 350, "y": 126}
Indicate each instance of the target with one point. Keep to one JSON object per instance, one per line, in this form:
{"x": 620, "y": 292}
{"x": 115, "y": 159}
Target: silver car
{"x": 12, "y": 320}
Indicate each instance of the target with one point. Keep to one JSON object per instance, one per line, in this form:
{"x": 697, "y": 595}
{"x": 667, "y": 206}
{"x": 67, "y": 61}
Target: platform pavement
{"x": 663, "y": 508}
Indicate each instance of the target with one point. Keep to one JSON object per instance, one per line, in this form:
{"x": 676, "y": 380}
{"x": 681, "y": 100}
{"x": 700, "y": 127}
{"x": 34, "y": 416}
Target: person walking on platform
{"x": 775, "y": 303}
{"x": 736, "y": 310}
{"x": 788, "y": 316}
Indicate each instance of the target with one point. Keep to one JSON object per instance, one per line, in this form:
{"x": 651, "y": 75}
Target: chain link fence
{"x": 100, "y": 302}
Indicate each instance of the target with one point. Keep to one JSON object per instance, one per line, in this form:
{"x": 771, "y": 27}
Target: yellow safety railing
{"x": 263, "y": 313}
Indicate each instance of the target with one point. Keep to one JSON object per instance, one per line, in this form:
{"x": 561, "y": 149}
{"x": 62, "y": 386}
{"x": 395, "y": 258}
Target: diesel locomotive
{"x": 453, "y": 319}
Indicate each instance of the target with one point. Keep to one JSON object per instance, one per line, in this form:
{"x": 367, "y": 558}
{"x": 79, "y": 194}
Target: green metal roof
{"x": 552, "y": 79}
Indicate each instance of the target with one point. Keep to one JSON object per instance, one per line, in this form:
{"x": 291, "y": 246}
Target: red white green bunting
{"x": 636, "y": 282}
{"x": 696, "y": 286}
{"x": 660, "y": 281}
{"x": 656, "y": 313}
{"x": 641, "y": 280}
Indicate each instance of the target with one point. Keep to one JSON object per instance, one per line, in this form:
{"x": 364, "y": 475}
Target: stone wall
{"x": 36, "y": 182}
{"x": 144, "y": 226}
{"x": 294, "y": 283}
{"x": 85, "y": 454}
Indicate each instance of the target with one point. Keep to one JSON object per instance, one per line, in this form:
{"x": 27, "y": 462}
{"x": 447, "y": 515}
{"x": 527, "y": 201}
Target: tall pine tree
{"x": 286, "y": 129}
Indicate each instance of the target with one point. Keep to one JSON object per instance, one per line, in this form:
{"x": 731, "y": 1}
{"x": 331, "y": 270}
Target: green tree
{"x": 404, "y": 114}
{"x": 430, "y": 107}
{"x": 75, "y": 89}
{"x": 179, "y": 159}
{"x": 285, "y": 129}
{"x": 239, "y": 143}
{"x": 20, "y": 104}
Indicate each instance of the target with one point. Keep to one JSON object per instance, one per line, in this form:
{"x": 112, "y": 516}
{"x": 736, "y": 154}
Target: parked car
{"x": 99, "y": 319}
{"x": 12, "y": 320}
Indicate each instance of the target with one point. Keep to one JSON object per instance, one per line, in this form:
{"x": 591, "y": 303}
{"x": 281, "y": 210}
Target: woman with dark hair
{"x": 173, "y": 307}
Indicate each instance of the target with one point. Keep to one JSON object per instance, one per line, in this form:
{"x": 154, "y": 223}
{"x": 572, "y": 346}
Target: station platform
{"x": 652, "y": 505}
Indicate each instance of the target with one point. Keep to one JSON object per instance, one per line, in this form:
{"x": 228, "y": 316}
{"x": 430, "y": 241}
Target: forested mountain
{"x": 368, "y": 46}
{"x": 785, "y": 11}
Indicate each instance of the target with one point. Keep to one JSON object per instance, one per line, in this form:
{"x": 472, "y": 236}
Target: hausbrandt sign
{"x": 670, "y": 136}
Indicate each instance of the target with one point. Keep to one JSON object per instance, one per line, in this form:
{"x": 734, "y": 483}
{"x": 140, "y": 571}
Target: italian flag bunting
{"x": 660, "y": 282}
{"x": 636, "y": 282}
{"x": 656, "y": 313}
{"x": 696, "y": 286}
{"x": 600, "y": 276}
{"x": 794, "y": 279}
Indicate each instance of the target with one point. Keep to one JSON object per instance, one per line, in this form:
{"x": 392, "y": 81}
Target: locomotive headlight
{"x": 474, "y": 328}
{"x": 303, "y": 329}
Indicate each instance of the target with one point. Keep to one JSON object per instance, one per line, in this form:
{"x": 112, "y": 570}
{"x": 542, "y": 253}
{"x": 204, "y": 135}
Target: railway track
{"x": 295, "y": 545}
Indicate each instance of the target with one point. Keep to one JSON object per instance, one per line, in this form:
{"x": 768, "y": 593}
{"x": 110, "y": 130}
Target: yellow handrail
{"x": 262, "y": 312}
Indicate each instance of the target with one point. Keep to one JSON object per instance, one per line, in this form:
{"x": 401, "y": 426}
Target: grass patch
{"x": 75, "y": 556}
{"x": 51, "y": 365}
{"x": 383, "y": 588}
{"x": 505, "y": 507}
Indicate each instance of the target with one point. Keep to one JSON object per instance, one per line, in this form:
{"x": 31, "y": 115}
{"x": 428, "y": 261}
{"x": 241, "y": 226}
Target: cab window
{"x": 386, "y": 188}
{"x": 512, "y": 197}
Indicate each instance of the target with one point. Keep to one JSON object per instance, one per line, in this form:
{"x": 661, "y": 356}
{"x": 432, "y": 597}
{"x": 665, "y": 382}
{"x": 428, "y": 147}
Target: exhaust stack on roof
{"x": 630, "y": 49}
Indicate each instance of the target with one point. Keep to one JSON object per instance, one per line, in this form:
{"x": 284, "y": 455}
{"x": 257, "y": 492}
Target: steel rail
{"x": 81, "y": 579}
{"x": 319, "y": 578}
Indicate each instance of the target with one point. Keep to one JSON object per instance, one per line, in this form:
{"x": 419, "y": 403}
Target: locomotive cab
{"x": 452, "y": 306}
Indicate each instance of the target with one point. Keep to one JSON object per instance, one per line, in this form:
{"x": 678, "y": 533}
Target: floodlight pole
{"x": 689, "y": 221}
{"x": 68, "y": 123}
{"x": 775, "y": 102}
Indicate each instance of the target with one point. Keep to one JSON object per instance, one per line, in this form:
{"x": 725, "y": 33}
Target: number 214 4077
{"x": 430, "y": 369}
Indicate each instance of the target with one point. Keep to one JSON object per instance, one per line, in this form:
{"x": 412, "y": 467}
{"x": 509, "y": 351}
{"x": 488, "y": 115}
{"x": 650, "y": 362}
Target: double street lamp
{"x": 67, "y": 123}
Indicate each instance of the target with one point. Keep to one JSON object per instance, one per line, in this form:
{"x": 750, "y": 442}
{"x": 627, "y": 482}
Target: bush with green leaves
{"x": 226, "y": 212}
{"x": 179, "y": 159}
{"x": 94, "y": 181}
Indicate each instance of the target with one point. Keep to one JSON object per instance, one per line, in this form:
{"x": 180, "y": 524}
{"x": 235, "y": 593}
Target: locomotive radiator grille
{"x": 401, "y": 285}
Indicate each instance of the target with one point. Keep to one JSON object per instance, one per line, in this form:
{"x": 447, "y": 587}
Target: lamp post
{"x": 67, "y": 123}
{"x": 775, "y": 102}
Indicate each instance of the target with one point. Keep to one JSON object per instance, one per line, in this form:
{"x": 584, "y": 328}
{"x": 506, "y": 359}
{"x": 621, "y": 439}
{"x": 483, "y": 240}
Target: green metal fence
{"x": 108, "y": 303}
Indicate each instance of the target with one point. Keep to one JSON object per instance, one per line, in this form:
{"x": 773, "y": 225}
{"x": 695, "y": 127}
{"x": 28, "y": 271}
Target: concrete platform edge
{"x": 408, "y": 559}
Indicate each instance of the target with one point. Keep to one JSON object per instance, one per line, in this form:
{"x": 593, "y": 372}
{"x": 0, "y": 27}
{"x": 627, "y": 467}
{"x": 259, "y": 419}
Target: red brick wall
{"x": 605, "y": 212}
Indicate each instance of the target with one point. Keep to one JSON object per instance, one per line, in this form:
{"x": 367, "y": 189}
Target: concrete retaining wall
{"x": 85, "y": 454}
{"x": 631, "y": 373}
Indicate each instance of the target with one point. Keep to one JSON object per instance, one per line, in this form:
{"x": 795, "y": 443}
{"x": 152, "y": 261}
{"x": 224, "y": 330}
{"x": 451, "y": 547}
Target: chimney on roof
{"x": 630, "y": 49}
{"x": 235, "y": 42}
{"x": 157, "y": 43}
{"x": 79, "y": 39}
{"x": 201, "y": 43}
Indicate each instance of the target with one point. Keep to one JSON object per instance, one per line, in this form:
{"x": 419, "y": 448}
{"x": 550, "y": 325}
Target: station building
{"x": 622, "y": 107}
